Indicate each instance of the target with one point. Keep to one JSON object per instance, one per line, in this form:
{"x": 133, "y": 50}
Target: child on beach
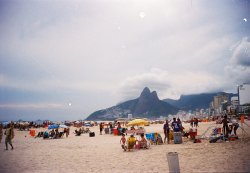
{"x": 123, "y": 142}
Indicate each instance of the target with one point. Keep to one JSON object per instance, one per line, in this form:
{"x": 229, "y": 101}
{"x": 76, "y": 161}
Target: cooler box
{"x": 106, "y": 130}
{"x": 115, "y": 131}
{"x": 32, "y": 133}
{"x": 177, "y": 137}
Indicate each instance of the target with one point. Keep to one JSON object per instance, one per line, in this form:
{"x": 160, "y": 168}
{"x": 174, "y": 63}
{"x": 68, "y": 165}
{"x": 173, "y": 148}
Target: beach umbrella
{"x": 53, "y": 126}
{"x": 138, "y": 122}
{"x": 63, "y": 126}
{"x": 87, "y": 124}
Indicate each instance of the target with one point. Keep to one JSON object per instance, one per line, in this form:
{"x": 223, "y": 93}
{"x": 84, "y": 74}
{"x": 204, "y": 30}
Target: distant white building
{"x": 244, "y": 94}
{"x": 234, "y": 101}
{"x": 130, "y": 116}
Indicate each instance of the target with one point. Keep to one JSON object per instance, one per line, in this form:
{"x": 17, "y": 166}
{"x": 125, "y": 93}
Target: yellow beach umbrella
{"x": 138, "y": 122}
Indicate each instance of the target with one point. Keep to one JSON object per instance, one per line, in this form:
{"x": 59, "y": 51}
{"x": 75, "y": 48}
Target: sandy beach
{"x": 103, "y": 153}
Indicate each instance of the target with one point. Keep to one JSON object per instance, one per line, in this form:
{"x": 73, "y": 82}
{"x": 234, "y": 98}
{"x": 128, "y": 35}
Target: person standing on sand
{"x": 175, "y": 125}
{"x": 9, "y": 136}
{"x": 180, "y": 124}
{"x": 225, "y": 126}
{"x": 101, "y": 128}
{"x": 196, "y": 121}
{"x": 1, "y": 132}
{"x": 67, "y": 133}
{"x": 166, "y": 131}
{"x": 123, "y": 142}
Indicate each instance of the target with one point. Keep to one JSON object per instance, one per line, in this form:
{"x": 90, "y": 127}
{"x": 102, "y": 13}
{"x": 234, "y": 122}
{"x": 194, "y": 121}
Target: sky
{"x": 63, "y": 60}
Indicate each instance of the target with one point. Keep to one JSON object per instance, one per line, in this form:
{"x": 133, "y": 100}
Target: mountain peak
{"x": 145, "y": 92}
{"x": 154, "y": 95}
{"x": 147, "y": 105}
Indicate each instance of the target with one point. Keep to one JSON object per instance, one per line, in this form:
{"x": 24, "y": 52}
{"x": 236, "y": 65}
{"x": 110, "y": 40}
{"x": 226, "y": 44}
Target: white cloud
{"x": 238, "y": 68}
{"x": 170, "y": 85}
{"x": 241, "y": 54}
{"x": 86, "y": 48}
{"x": 32, "y": 106}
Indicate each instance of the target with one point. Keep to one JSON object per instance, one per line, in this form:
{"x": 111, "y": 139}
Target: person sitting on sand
{"x": 77, "y": 132}
{"x": 39, "y": 135}
{"x": 131, "y": 142}
{"x": 143, "y": 142}
{"x": 235, "y": 127}
{"x": 123, "y": 142}
{"x": 52, "y": 133}
{"x": 56, "y": 134}
{"x": 45, "y": 135}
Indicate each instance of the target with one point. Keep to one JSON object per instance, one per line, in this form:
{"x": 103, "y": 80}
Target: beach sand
{"x": 103, "y": 153}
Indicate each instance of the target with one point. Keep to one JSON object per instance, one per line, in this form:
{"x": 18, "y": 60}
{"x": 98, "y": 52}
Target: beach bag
{"x": 213, "y": 140}
{"x": 92, "y": 134}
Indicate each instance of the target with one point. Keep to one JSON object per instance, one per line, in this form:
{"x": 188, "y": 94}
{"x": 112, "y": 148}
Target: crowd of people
{"x": 169, "y": 128}
{"x": 81, "y": 131}
{"x": 175, "y": 126}
{"x": 109, "y": 129}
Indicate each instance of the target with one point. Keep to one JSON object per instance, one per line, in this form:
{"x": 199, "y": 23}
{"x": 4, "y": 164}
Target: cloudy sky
{"x": 66, "y": 59}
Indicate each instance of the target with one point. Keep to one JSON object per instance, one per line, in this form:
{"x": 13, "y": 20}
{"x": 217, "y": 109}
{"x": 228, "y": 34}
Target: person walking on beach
{"x": 9, "y": 136}
{"x": 196, "y": 121}
{"x": 1, "y": 132}
{"x": 225, "y": 126}
{"x": 123, "y": 142}
{"x": 101, "y": 128}
{"x": 166, "y": 131}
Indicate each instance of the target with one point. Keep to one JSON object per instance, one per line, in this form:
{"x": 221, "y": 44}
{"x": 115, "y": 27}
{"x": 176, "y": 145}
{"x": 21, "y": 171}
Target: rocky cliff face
{"x": 147, "y": 105}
